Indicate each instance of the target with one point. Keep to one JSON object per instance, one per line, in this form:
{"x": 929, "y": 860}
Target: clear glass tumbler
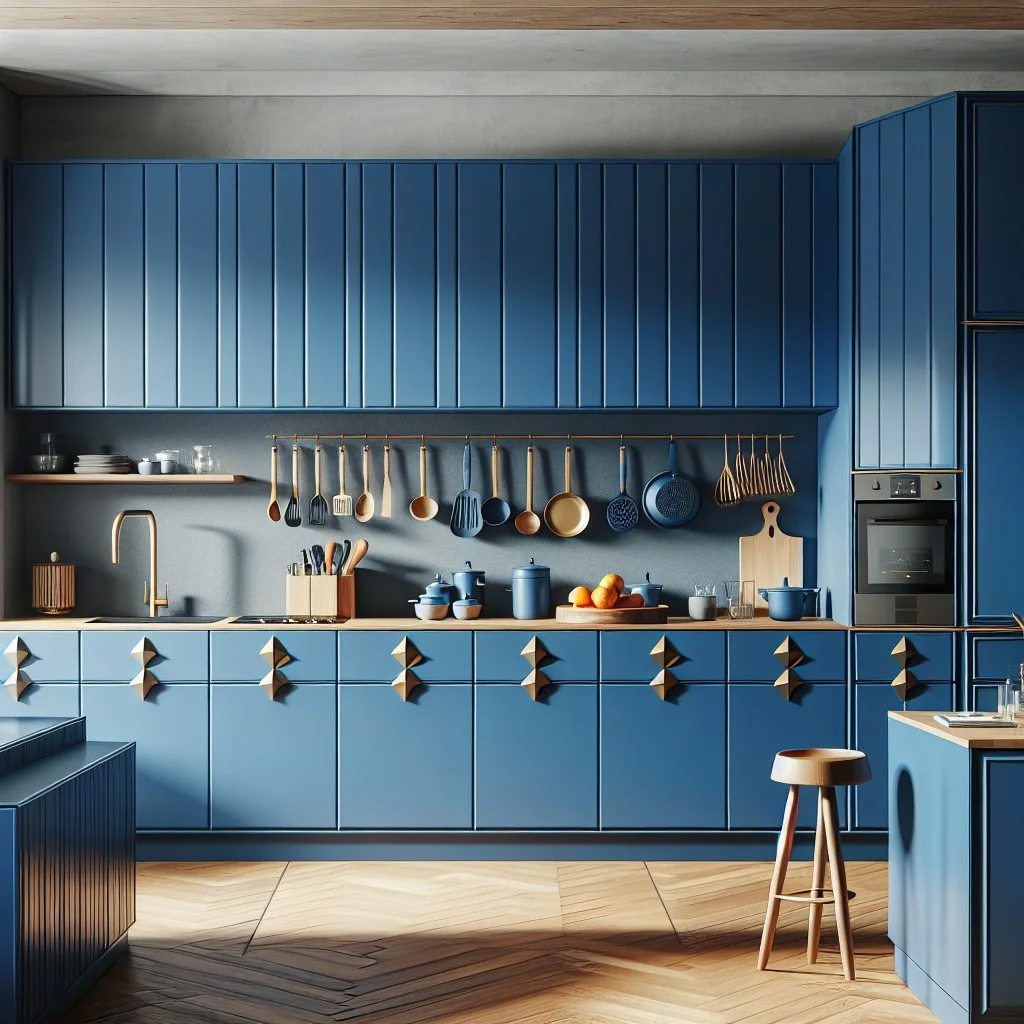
{"x": 202, "y": 458}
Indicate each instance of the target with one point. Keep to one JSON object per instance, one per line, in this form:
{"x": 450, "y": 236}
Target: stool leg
{"x": 837, "y": 868}
{"x": 782, "y": 854}
{"x": 817, "y": 886}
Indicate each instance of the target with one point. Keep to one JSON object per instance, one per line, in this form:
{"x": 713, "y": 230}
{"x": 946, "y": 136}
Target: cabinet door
{"x": 311, "y": 655}
{"x": 43, "y": 700}
{"x": 179, "y": 655}
{"x": 872, "y": 702}
{"x": 874, "y": 661}
{"x": 570, "y": 655}
{"x": 662, "y": 761}
{"x": 761, "y": 723}
{"x": 626, "y": 655}
{"x": 365, "y": 657}
{"x": 996, "y": 541}
{"x": 52, "y": 654}
{"x": 752, "y": 655}
{"x": 171, "y": 730}
{"x": 255, "y": 285}
{"x": 997, "y": 211}
{"x": 405, "y": 764}
{"x": 536, "y": 761}
{"x": 273, "y": 763}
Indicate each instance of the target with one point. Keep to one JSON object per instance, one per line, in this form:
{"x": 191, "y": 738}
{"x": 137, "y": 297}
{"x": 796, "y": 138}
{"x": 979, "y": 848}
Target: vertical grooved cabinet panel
{"x": 197, "y": 286}
{"x": 83, "y": 286}
{"x": 123, "y": 286}
{"x": 868, "y": 455}
{"x": 716, "y": 286}
{"x": 620, "y": 298}
{"x": 758, "y": 255}
{"x": 652, "y": 286}
{"x": 354, "y": 285}
{"x": 415, "y": 286}
{"x": 997, "y": 210}
{"x": 255, "y": 286}
{"x": 590, "y": 269}
{"x": 378, "y": 287}
{"x": 996, "y": 544}
{"x": 917, "y": 254}
{"x": 289, "y": 272}
{"x": 447, "y": 308}
{"x": 161, "y": 284}
{"x": 227, "y": 286}
{"x": 479, "y": 286}
{"x": 798, "y": 254}
{"x": 37, "y": 202}
{"x": 891, "y": 268}
{"x": 945, "y": 278}
{"x": 825, "y": 255}
{"x": 324, "y": 212}
{"x": 683, "y": 286}
{"x": 529, "y": 349}
{"x": 568, "y": 356}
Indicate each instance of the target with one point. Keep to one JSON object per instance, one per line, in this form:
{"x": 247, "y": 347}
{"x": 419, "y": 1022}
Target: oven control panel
{"x": 905, "y": 485}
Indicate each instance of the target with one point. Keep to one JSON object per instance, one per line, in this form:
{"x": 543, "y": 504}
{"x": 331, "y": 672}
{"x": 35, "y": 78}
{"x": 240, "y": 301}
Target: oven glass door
{"x": 905, "y": 547}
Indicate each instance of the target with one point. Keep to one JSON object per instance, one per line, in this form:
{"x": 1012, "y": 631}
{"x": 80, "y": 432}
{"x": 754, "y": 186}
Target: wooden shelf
{"x": 126, "y": 478}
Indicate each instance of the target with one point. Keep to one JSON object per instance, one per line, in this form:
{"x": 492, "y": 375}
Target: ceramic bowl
{"x": 467, "y": 609}
{"x": 148, "y": 468}
{"x": 702, "y": 608}
{"x": 430, "y": 612}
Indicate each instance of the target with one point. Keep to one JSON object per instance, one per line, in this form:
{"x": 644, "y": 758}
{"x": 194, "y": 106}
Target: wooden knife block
{"x": 320, "y": 597}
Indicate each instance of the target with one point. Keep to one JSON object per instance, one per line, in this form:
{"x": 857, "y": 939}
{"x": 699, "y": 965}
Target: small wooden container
{"x": 320, "y": 597}
{"x": 53, "y": 587}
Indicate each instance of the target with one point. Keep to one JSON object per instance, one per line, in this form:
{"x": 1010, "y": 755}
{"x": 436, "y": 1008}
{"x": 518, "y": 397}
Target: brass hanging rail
{"x": 499, "y": 436}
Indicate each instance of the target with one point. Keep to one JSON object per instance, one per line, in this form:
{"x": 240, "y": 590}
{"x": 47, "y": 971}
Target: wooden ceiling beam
{"x": 509, "y": 14}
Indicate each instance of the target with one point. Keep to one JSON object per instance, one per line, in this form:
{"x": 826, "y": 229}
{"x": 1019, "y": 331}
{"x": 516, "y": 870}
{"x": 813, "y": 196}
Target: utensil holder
{"x": 320, "y": 597}
{"x": 53, "y": 588}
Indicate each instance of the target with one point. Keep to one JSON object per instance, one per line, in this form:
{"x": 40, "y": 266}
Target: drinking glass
{"x": 202, "y": 458}
{"x": 740, "y": 597}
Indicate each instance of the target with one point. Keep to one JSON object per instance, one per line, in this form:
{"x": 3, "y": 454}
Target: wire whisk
{"x": 727, "y": 490}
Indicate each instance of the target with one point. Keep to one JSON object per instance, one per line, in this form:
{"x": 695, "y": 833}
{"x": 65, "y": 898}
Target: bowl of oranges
{"x": 608, "y": 603}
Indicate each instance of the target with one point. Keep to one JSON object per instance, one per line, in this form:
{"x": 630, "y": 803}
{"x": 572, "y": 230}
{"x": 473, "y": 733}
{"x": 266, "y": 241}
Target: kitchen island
{"x": 956, "y": 845}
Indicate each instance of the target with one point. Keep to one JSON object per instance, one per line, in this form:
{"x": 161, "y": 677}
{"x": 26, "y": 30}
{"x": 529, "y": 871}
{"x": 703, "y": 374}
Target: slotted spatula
{"x": 466, "y": 518}
{"x": 342, "y": 501}
{"x": 292, "y": 515}
{"x": 318, "y": 503}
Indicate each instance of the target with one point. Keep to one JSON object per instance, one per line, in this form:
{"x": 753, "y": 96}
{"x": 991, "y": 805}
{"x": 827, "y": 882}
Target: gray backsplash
{"x": 220, "y": 554}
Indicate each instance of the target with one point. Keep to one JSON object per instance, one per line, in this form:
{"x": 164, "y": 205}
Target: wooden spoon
{"x": 423, "y": 507}
{"x": 273, "y": 509}
{"x": 359, "y": 550}
{"x": 364, "y": 503}
{"x": 528, "y": 522}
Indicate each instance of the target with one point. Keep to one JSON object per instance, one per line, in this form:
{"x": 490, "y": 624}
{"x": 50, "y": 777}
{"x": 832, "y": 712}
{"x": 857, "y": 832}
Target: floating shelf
{"x": 165, "y": 479}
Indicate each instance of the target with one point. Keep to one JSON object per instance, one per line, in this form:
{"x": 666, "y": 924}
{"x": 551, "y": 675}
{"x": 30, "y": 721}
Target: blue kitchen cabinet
{"x": 761, "y": 723}
{"x": 906, "y": 256}
{"x": 626, "y": 655}
{"x": 365, "y": 656}
{"x": 663, "y": 762}
{"x": 273, "y": 763}
{"x": 536, "y": 760}
{"x": 311, "y": 655}
{"x": 931, "y": 658}
{"x": 255, "y": 284}
{"x": 405, "y": 764}
{"x": 871, "y": 704}
{"x": 171, "y": 731}
{"x": 178, "y": 655}
{"x": 995, "y": 210}
{"x": 752, "y": 656}
{"x": 991, "y": 660}
{"x": 51, "y": 671}
{"x": 995, "y": 543}
{"x": 43, "y": 700}
{"x": 569, "y": 654}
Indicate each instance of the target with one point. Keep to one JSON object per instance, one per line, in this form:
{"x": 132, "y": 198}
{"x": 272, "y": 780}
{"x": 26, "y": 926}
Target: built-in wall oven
{"x": 905, "y": 557}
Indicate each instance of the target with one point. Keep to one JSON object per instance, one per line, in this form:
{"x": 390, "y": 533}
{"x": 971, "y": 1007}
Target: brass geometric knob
{"x": 274, "y": 654}
{"x": 534, "y": 652}
{"x": 904, "y": 683}
{"x": 406, "y": 655}
{"x": 16, "y": 652}
{"x": 143, "y": 683}
{"x": 904, "y": 651}
{"x": 790, "y": 655}
{"x": 144, "y": 651}
{"x": 665, "y": 655}
{"x": 272, "y": 682}
{"x": 17, "y": 682}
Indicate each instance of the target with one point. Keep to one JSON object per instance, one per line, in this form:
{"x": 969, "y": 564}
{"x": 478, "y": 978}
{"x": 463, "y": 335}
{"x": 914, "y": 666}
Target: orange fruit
{"x": 613, "y": 582}
{"x": 579, "y": 597}
{"x": 630, "y": 601}
{"x": 604, "y": 597}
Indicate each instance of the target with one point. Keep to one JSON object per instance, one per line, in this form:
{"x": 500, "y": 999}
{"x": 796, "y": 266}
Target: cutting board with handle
{"x": 771, "y": 555}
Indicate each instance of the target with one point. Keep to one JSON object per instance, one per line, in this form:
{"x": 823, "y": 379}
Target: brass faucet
{"x": 149, "y": 588}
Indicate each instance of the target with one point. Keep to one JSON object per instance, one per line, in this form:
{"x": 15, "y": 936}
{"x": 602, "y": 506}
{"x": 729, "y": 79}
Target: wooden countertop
{"x": 985, "y": 738}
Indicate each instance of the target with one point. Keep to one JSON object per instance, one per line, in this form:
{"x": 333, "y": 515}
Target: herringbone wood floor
{"x": 489, "y": 943}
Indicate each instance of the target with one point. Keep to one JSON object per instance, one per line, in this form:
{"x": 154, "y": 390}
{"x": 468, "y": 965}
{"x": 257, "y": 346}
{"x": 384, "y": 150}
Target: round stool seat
{"x": 821, "y": 766}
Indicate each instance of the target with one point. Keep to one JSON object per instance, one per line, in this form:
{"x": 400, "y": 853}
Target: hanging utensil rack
{"x": 518, "y": 437}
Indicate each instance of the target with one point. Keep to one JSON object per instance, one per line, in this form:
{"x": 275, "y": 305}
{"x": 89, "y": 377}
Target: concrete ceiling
{"x": 372, "y": 62}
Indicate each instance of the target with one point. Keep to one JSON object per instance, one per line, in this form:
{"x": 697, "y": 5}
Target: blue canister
{"x": 470, "y": 583}
{"x": 531, "y": 591}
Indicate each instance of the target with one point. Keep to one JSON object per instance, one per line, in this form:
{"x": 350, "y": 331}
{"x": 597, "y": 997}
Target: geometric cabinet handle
{"x": 143, "y": 652}
{"x": 274, "y": 654}
{"x": 789, "y": 655}
{"x": 665, "y": 656}
{"x": 905, "y": 681}
{"x": 406, "y": 654}
{"x": 535, "y": 653}
{"x": 17, "y": 682}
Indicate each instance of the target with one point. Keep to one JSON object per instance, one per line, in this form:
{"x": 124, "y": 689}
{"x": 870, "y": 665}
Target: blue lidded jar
{"x": 531, "y": 591}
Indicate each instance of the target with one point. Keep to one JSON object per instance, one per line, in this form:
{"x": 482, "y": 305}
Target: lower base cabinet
{"x": 761, "y": 723}
{"x": 44, "y": 700}
{"x": 171, "y": 730}
{"x": 273, "y": 763}
{"x": 872, "y": 702}
{"x": 536, "y": 760}
{"x": 662, "y": 761}
{"x": 405, "y": 764}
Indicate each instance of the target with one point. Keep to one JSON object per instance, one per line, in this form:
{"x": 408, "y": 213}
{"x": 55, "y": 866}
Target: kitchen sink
{"x": 272, "y": 620}
{"x": 143, "y": 620}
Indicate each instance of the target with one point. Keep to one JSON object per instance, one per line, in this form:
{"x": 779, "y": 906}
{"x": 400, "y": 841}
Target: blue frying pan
{"x": 671, "y": 500}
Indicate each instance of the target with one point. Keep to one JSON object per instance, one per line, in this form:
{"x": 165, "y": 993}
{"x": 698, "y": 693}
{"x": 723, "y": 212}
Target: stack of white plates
{"x": 97, "y": 464}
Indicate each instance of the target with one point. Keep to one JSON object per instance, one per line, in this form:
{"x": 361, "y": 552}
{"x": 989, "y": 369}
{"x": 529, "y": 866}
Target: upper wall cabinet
{"x": 906, "y": 306}
{"x": 996, "y": 210}
{"x": 415, "y": 285}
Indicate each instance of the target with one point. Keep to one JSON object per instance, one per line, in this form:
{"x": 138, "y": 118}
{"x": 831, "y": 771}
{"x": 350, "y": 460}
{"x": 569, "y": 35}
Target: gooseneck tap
{"x": 149, "y": 587}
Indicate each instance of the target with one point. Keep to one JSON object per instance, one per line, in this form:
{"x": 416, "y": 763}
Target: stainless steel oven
{"x": 905, "y": 549}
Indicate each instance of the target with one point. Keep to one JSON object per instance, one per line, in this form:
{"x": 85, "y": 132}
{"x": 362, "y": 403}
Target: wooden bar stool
{"x": 825, "y": 768}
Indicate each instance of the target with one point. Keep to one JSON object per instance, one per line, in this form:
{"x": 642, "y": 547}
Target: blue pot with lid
{"x": 650, "y": 592}
{"x": 469, "y": 583}
{"x": 531, "y": 591}
{"x": 786, "y": 603}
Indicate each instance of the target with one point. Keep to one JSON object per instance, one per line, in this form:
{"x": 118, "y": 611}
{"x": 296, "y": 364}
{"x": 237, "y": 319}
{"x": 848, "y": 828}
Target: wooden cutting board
{"x": 771, "y": 555}
{"x": 612, "y": 616}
